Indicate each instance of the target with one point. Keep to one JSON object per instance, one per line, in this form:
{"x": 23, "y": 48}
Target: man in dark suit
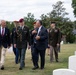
{"x": 22, "y": 36}
{"x": 40, "y": 44}
{"x": 4, "y": 42}
{"x": 54, "y": 41}
{"x": 15, "y": 50}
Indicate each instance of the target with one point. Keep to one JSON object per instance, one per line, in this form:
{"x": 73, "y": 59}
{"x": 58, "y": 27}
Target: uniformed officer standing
{"x": 54, "y": 40}
{"x": 21, "y": 38}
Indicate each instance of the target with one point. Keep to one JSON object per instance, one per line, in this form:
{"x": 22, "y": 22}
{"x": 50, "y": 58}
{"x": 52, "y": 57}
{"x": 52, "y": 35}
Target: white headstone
{"x": 63, "y": 72}
{"x": 72, "y": 63}
{"x": 75, "y": 52}
{"x": 62, "y": 43}
{"x": 10, "y": 50}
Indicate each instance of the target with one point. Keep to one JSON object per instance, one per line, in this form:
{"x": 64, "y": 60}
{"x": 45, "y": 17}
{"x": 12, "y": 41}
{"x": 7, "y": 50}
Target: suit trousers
{"x": 0, "y": 52}
{"x": 2, "y": 55}
{"x": 36, "y": 57}
{"x": 16, "y": 53}
{"x": 55, "y": 50}
{"x": 32, "y": 48}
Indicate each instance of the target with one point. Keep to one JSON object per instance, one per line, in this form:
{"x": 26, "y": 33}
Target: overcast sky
{"x": 16, "y": 9}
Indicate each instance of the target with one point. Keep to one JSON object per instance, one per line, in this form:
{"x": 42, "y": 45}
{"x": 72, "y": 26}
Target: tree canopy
{"x": 74, "y": 6}
{"x": 58, "y": 14}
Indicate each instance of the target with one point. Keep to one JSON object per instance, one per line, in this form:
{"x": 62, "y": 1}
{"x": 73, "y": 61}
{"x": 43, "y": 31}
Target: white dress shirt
{"x": 39, "y": 29}
{"x": 1, "y": 30}
{"x": 22, "y": 27}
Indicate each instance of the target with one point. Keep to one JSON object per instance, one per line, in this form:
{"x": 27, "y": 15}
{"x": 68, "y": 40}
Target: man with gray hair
{"x": 4, "y": 42}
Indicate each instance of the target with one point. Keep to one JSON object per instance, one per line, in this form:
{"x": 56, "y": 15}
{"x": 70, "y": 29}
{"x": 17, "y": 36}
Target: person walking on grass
{"x": 54, "y": 41}
{"x": 22, "y": 37}
{"x": 40, "y": 45}
{"x": 4, "y": 42}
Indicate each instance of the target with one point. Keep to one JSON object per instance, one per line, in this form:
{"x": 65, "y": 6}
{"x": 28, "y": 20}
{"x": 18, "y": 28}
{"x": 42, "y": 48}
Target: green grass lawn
{"x": 12, "y": 69}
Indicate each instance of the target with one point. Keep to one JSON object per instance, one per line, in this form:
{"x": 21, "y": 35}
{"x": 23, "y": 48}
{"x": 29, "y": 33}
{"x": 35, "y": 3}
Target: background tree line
{"x": 58, "y": 14}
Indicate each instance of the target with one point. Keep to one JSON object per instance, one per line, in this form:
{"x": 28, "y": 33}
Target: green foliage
{"x": 45, "y": 20}
{"x": 10, "y": 25}
{"x": 58, "y": 10}
{"x": 29, "y": 20}
{"x": 70, "y": 38}
{"x": 58, "y": 14}
{"x": 74, "y": 6}
{"x": 74, "y": 24}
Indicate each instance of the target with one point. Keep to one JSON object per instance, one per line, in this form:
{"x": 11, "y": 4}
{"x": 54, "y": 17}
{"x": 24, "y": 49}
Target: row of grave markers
{"x": 71, "y": 67}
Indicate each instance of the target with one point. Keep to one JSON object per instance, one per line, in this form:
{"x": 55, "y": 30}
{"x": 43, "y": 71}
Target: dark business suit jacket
{"x": 12, "y": 35}
{"x": 42, "y": 43}
{"x": 5, "y": 40}
{"x": 32, "y": 36}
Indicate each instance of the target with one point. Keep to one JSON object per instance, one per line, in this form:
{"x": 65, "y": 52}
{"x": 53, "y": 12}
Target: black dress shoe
{"x": 2, "y": 68}
{"x": 20, "y": 68}
{"x": 35, "y": 68}
{"x": 16, "y": 62}
{"x": 42, "y": 68}
{"x": 57, "y": 61}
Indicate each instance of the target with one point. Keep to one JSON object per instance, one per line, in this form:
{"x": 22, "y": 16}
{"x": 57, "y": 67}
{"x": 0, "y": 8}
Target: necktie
{"x": 2, "y": 31}
{"x": 38, "y": 31}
